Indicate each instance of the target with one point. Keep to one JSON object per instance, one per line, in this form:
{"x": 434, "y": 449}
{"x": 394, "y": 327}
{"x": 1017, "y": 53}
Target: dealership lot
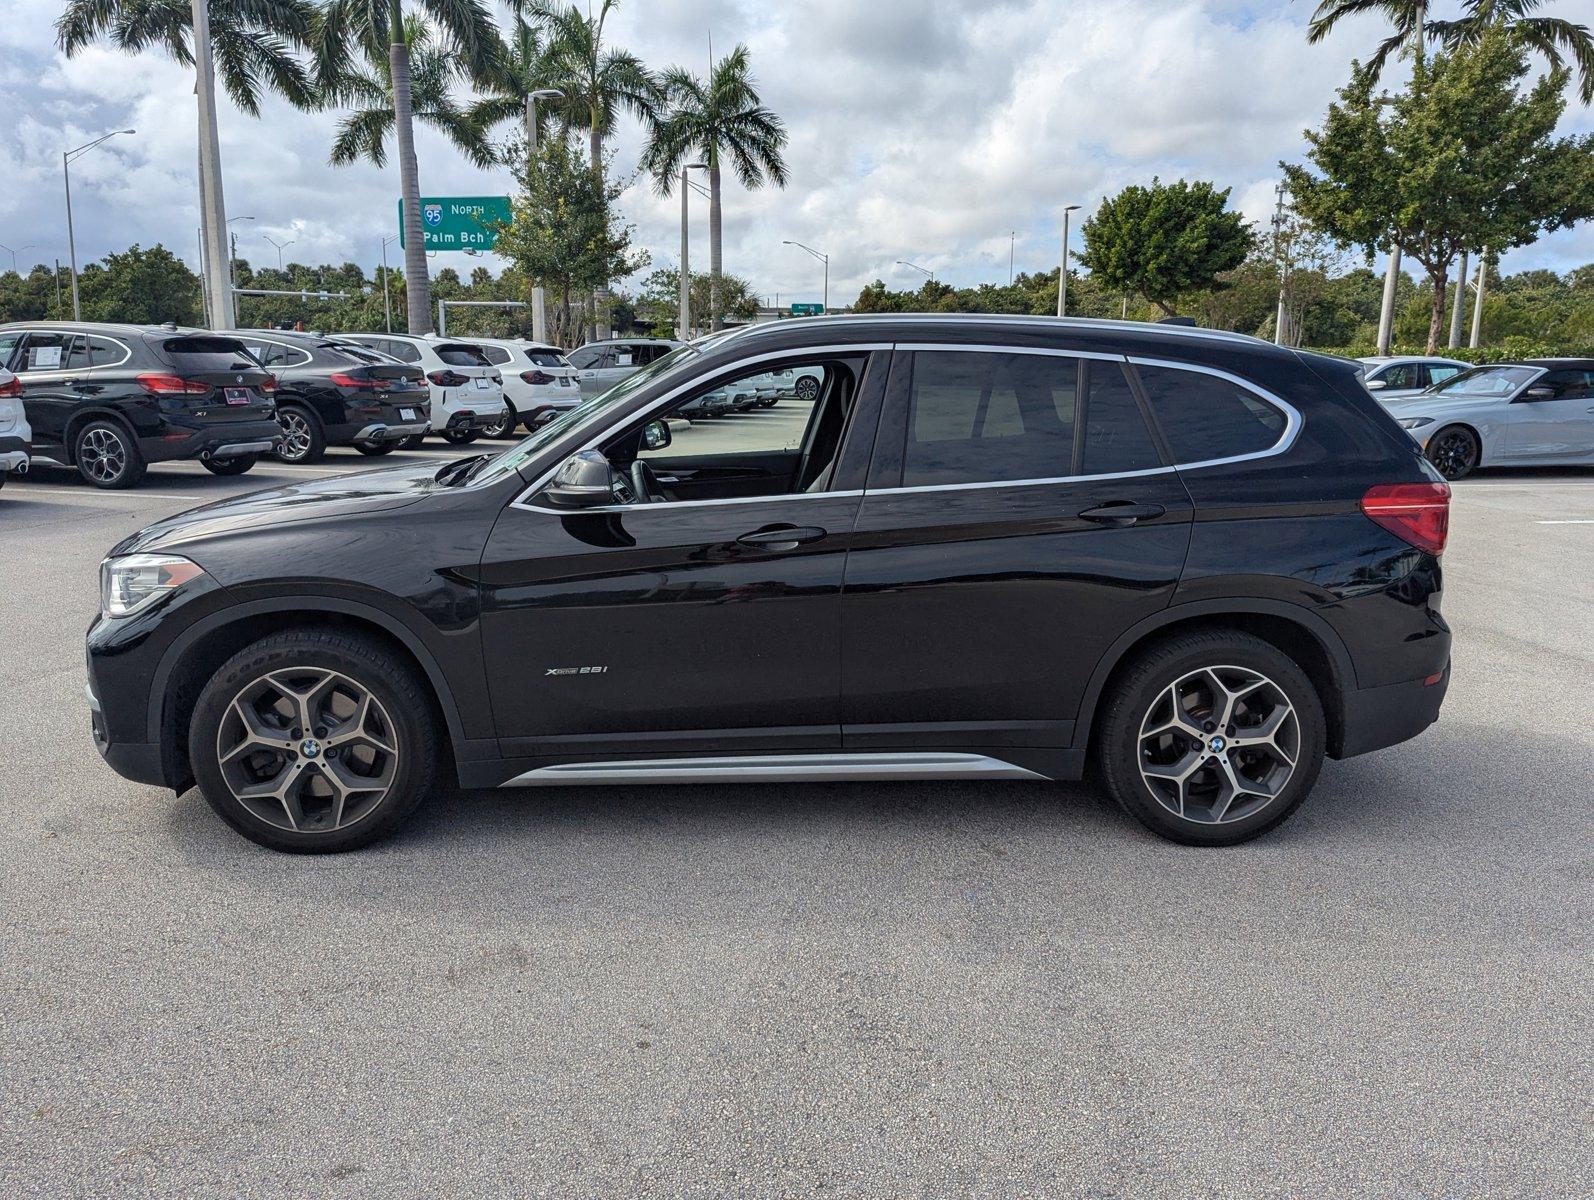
{"x": 837, "y": 989}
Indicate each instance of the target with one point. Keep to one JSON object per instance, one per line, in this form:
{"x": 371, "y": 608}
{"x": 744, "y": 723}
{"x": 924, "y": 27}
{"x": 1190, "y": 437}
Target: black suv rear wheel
{"x": 302, "y": 438}
{"x": 1211, "y": 739}
{"x": 107, "y": 456}
{"x": 314, "y": 742}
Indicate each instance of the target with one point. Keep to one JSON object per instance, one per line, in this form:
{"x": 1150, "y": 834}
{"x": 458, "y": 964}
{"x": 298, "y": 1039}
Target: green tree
{"x": 563, "y": 230}
{"x": 659, "y": 302}
{"x": 1553, "y": 37}
{"x": 1492, "y": 173}
{"x": 140, "y": 287}
{"x": 723, "y": 117}
{"x": 354, "y": 33}
{"x": 1165, "y": 240}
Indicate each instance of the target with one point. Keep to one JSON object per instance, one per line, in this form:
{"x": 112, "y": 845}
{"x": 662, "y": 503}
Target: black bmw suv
{"x": 986, "y": 548}
{"x": 111, "y": 399}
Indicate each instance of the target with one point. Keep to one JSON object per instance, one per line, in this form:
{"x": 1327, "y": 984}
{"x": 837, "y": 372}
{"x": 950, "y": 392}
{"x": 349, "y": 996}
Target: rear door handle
{"x": 787, "y": 537}
{"x": 1120, "y": 513}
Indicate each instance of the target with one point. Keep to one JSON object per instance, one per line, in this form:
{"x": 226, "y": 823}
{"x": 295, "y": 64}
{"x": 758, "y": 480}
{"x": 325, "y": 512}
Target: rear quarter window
{"x": 1206, "y": 416}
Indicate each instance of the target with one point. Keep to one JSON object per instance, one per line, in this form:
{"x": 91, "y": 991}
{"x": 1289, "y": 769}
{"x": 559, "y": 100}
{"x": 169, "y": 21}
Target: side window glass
{"x": 581, "y": 359}
{"x": 405, "y": 352}
{"x": 496, "y": 355}
{"x": 75, "y": 356}
{"x": 1205, "y": 416}
{"x": 620, "y": 357}
{"x": 43, "y": 352}
{"x": 1116, "y": 436}
{"x": 1438, "y": 374}
{"x": 8, "y": 347}
{"x": 1567, "y": 385}
{"x": 1401, "y": 376}
{"x": 985, "y": 418}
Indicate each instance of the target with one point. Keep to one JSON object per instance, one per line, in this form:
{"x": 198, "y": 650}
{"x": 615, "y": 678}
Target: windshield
{"x": 1486, "y": 382}
{"x": 588, "y": 412}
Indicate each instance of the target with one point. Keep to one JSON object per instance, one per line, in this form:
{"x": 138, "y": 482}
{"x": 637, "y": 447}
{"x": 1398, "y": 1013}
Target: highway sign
{"x": 459, "y": 222}
{"x": 807, "y": 310}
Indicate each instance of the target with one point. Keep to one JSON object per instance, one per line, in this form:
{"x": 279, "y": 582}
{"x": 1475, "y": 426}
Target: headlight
{"x": 1415, "y": 422}
{"x": 129, "y": 585}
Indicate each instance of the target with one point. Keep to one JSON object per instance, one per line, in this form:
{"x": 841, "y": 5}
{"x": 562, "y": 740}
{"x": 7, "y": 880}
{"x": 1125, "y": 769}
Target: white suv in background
{"x": 539, "y": 382}
{"x": 16, "y": 439}
{"x": 467, "y": 390}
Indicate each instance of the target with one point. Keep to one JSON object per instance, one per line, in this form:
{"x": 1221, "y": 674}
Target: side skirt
{"x": 777, "y": 768}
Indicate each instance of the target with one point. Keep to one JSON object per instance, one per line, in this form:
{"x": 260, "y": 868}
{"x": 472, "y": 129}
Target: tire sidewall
{"x": 318, "y": 441}
{"x": 132, "y": 460}
{"x": 370, "y": 666}
{"x": 1477, "y": 450}
{"x": 1118, "y": 747}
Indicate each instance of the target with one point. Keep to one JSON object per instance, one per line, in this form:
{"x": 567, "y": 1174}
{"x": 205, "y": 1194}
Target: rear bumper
{"x": 473, "y": 420}
{"x": 216, "y": 441}
{"x": 13, "y": 454}
{"x": 389, "y": 433}
{"x": 1384, "y": 716}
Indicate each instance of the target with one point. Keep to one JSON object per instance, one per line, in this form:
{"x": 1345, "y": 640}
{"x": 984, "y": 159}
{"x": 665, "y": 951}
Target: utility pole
{"x": 1386, "y": 311}
{"x": 539, "y": 311}
{"x": 1477, "y": 302}
{"x": 1012, "y": 238}
{"x": 1062, "y": 272}
{"x": 387, "y": 302}
{"x": 1461, "y": 302}
{"x": 213, "y": 208}
{"x": 1278, "y": 254}
{"x": 684, "y": 296}
{"x": 71, "y": 237}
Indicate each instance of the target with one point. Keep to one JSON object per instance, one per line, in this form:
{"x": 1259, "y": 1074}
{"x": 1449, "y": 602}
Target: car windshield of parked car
{"x": 1485, "y": 382}
{"x": 588, "y": 412}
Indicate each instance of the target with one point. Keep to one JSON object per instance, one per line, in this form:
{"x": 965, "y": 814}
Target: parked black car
{"x": 995, "y": 548}
{"x": 111, "y": 399}
{"x": 333, "y": 393}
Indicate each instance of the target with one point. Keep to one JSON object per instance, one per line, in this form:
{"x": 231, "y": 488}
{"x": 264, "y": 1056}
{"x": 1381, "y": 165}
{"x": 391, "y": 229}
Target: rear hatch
{"x": 469, "y": 381}
{"x": 553, "y": 365}
{"x": 214, "y": 377}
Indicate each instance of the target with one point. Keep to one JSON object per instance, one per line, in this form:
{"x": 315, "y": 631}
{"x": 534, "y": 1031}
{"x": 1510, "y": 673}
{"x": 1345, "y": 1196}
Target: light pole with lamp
{"x": 280, "y": 246}
{"x": 824, "y": 258}
{"x": 684, "y": 300}
{"x": 1062, "y": 271}
{"x": 539, "y": 311}
{"x": 232, "y": 259}
{"x": 387, "y": 303}
{"x": 71, "y": 242}
{"x": 930, "y": 275}
{"x": 31, "y": 245}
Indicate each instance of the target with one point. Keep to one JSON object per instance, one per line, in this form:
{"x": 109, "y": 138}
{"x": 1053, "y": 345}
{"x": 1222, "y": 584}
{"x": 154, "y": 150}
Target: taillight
{"x": 446, "y": 379}
{"x": 1418, "y": 513}
{"x": 11, "y": 387}
{"x": 536, "y": 377}
{"x": 268, "y": 385}
{"x": 171, "y": 385}
{"x": 342, "y": 379}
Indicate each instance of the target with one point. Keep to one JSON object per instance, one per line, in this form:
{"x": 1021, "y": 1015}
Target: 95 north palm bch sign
{"x": 459, "y": 222}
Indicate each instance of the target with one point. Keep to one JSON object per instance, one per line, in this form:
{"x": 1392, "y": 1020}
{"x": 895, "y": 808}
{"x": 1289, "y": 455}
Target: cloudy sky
{"x": 927, "y": 130}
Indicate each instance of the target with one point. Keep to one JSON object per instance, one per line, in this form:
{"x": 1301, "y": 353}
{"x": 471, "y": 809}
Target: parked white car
{"x": 539, "y": 382}
{"x": 467, "y": 391}
{"x": 16, "y": 439}
{"x": 1391, "y": 377}
{"x": 601, "y": 365}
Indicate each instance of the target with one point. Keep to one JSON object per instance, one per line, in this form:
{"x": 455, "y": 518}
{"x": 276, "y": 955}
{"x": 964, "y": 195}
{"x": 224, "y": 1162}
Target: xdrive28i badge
{"x": 575, "y": 670}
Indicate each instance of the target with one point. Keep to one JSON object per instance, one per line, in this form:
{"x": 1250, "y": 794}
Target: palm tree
{"x": 352, "y": 31}
{"x": 523, "y": 68}
{"x": 1554, "y": 37}
{"x": 364, "y": 132}
{"x": 598, "y": 84}
{"x": 256, "y": 42}
{"x": 725, "y": 117}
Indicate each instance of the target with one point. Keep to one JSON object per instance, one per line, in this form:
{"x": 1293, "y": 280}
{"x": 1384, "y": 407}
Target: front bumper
{"x": 138, "y": 761}
{"x": 1384, "y": 716}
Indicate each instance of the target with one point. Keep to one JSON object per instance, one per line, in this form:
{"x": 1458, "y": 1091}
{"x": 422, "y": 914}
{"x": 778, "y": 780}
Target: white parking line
{"x": 1578, "y": 521}
{"x": 134, "y": 494}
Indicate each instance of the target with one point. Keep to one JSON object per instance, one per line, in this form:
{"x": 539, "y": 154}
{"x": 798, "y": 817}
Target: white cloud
{"x": 922, "y": 131}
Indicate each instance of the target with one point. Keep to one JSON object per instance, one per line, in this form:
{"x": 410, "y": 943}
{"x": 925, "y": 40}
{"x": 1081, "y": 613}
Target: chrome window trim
{"x": 1293, "y": 421}
{"x": 992, "y": 348}
{"x": 269, "y": 341}
{"x": 53, "y": 374}
{"x": 676, "y": 393}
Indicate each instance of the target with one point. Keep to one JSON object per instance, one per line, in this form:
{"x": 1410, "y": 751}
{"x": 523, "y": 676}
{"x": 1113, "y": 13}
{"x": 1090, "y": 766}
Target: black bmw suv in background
{"x": 984, "y": 548}
{"x": 335, "y": 393}
{"x": 111, "y": 399}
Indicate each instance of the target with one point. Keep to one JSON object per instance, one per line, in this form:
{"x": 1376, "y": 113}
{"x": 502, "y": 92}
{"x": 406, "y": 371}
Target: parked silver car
{"x": 601, "y": 365}
{"x": 1533, "y": 413}
{"x": 1389, "y": 376}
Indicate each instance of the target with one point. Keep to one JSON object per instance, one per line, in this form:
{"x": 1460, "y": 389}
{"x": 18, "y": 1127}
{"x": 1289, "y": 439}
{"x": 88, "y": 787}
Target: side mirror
{"x": 1539, "y": 393}
{"x": 584, "y": 480}
{"x": 1377, "y": 385}
{"x": 655, "y": 435}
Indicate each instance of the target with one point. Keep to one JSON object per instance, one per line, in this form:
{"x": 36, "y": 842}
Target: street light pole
{"x": 232, "y": 256}
{"x": 71, "y": 238}
{"x": 1386, "y": 310}
{"x": 539, "y": 311}
{"x": 824, "y": 258}
{"x": 387, "y": 302}
{"x": 684, "y": 292}
{"x": 1477, "y": 303}
{"x": 14, "y": 253}
{"x": 930, "y": 275}
{"x": 212, "y": 206}
{"x": 1062, "y": 271}
{"x": 1461, "y": 302}
{"x": 280, "y": 246}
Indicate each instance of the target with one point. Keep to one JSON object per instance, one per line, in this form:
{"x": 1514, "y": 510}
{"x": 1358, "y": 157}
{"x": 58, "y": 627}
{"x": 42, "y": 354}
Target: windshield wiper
{"x": 458, "y": 471}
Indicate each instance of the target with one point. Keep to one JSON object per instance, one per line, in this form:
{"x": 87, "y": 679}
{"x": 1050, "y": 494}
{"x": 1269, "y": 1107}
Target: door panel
{"x": 1554, "y": 430}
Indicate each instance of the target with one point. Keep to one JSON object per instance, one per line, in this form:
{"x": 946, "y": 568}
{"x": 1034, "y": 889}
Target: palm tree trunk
{"x": 417, "y": 283}
{"x": 716, "y": 321}
{"x": 600, "y": 294}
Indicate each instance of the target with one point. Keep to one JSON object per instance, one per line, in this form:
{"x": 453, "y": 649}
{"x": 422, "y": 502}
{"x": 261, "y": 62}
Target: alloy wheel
{"x": 102, "y": 455}
{"x": 296, "y": 439}
{"x": 1453, "y": 452}
{"x": 1219, "y": 744}
{"x": 807, "y": 388}
{"x": 307, "y": 750}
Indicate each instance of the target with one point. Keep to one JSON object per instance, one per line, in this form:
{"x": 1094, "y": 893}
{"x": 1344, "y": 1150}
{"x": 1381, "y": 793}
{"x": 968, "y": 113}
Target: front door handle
{"x": 785, "y": 537}
{"x": 1121, "y": 513}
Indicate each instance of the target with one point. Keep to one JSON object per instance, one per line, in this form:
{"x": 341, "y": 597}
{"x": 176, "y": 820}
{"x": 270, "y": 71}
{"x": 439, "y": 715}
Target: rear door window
{"x": 43, "y": 351}
{"x": 1207, "y": 417}
{"x": 457, "y": 354}
{"x": 1438, "y": 373}
{"x": 8, "y": 347}
{"x": 1117, "y": 438}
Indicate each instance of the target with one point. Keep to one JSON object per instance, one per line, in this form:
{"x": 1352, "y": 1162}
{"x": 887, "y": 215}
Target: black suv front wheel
{"x": 313, "y": 742}
{"x": 1211, "y": 739}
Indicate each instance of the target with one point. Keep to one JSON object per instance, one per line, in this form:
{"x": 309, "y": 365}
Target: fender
{"x": 1338, "y": 657}
{"x": 464, "y": 748}
{"x": 81, "y": 417}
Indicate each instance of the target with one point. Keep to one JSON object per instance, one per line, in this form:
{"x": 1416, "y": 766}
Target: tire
{"x": 414, "y": 442}
{"x": 807, "y": 388}
{"x": 395, "y": 747}
{"x": 376, "y": 449}
{"x": 1454, "y": 451}
{"x": 460, "y": 437}
{"x": 303, "y": 440}
{"x": 1140, "y": 763}
{"x": 505, "y": 426}
{"x": 107, "y": 455}
{"x": 236, "y": 465}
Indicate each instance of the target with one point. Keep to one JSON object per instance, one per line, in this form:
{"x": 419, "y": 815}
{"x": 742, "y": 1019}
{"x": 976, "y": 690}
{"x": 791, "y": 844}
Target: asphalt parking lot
{"x": 843, "y": 989}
